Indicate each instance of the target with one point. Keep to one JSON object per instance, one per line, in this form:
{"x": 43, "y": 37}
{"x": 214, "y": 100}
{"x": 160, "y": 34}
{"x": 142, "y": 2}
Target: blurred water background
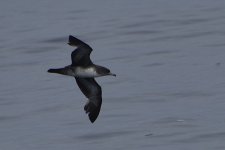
{"x": 169, "y": 57}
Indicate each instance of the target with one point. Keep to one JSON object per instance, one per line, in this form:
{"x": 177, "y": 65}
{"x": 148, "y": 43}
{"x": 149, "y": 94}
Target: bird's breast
{"x": 85, "y": 72}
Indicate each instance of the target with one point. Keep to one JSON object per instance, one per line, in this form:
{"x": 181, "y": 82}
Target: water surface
{"x": 169, "y": 61}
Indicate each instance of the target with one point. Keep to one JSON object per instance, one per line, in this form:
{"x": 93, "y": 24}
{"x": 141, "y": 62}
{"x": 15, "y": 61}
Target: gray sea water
{"x": 169, "y": 57}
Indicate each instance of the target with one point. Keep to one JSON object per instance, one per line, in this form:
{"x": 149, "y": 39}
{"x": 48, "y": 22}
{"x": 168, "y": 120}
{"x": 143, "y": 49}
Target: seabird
{"x": 84, "y": 71}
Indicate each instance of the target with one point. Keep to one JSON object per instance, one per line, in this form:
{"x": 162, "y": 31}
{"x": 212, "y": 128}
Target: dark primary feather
{"x": 78, "y": 43}
{"x": 81, "y": 55}
{"x": 92, "y": 90}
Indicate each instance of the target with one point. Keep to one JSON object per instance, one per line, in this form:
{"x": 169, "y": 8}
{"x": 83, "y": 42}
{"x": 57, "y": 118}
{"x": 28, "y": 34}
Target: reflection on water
{"x": 169, "y": 58}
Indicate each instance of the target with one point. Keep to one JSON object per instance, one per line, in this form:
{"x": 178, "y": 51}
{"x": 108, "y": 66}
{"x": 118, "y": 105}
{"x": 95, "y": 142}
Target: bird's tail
{"x": 59, "y": 71}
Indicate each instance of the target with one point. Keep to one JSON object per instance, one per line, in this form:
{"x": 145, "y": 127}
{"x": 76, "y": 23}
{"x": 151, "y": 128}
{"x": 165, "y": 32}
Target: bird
{"x": 84, "y": 71}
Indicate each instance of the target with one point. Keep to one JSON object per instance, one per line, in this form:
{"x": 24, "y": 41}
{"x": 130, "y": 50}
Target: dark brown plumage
{"x": 80, "y": 69}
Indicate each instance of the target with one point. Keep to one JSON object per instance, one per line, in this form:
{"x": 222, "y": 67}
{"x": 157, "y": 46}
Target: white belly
{"x": 85, "y": 72}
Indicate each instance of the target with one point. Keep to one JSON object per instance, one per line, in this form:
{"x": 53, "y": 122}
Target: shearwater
{"x": 84, "y": 71}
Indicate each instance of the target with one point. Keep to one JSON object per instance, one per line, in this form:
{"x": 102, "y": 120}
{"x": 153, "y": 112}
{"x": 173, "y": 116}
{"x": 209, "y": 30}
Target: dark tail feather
{"x": 92, "y": 110}
{"x": 59, "y": 71}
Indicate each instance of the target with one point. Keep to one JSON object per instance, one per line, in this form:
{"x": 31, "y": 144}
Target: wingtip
{"x": 92, "y": 120}
{"x": 71, "y": 41}
{"x": 92, "y": 111}
{"x": 70, "y": 36}
{"x": 93, "y": 117}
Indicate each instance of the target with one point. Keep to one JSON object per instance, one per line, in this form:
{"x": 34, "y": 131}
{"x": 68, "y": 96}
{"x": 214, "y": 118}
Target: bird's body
{"x": 87, "y": 72}
{"x": 84, "y": 72}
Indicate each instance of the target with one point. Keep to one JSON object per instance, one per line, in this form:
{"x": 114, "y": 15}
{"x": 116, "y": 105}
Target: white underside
{"x": 85, "y": 72}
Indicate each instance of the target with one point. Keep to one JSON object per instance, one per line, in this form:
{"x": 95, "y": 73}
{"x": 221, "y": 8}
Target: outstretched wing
{"x": 81, "y": 55}
{"x": 92, "y": 90}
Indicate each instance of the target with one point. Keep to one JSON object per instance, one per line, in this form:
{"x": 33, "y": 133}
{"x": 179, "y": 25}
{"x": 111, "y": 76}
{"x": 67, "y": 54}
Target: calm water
{"x": 169, "y": 57}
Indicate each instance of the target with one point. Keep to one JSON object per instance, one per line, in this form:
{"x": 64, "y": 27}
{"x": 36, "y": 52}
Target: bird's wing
{"x": 92, "y": 90}
{"x": 81, "y": 55}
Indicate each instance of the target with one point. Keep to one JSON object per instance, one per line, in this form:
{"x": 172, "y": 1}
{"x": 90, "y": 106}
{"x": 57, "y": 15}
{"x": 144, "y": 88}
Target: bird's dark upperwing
{"x": 93, "y": 92}
{"x": 81, "y": 55}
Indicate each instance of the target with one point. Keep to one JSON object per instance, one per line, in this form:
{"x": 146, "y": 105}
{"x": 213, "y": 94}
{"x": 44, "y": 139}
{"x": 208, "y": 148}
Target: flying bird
{"x": 84, "y": 71}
